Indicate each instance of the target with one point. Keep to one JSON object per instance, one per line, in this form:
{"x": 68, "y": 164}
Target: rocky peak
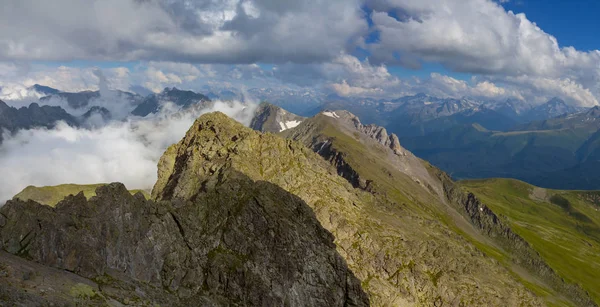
{"x": 186, "y": 99}
{"x": 375, "y": 132}
{"x": 99, "y": 111}
{"x": 593, "y": 112}
{"x": 46, "y": 90}
{"x": 3, "y": 107}
{"x": 271, "y": 118}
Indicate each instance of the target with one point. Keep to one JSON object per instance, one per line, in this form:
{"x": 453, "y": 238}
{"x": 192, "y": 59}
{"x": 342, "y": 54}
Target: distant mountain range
{"x": 422, "y": 114}
{"x": 550, "y": 153}
{"x": 184, "y": 99}
{"x": 552, "y": 144}
{"x": 13, "y": 119}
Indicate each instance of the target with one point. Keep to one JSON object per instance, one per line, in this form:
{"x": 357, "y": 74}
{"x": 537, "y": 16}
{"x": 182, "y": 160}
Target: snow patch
{"x": 288, "y": 125}
{"x": 330, "y": 114}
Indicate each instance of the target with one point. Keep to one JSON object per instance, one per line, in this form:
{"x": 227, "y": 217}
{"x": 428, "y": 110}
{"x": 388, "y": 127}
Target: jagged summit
{"x": 181, "y": 98}
{"x": 373, "y": 131}
{"x": 271, "y": 118}
{"x": 13, "y": 119}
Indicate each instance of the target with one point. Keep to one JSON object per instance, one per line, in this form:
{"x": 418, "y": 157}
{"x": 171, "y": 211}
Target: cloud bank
{"x": 232, "y": 31}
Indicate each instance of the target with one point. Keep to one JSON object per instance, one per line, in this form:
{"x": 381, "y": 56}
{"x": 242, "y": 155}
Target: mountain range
{"x": 328, "y": 212}
{"x": 554, "y": 153}
{"x": 421, "y": 114}
{"x": 550, "y": 145}
{"x": 13, "y": 119}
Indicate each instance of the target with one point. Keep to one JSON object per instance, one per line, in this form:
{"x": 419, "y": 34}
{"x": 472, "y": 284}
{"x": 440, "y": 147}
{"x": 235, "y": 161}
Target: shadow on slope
{"x": 239, "y": 243}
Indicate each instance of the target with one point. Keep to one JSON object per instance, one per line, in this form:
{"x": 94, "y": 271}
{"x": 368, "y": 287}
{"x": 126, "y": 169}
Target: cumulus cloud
{"x": 477, "y": 36}
{"x": 233, "y": 31}
{"x": 540, "y": 89}
{"x": 481, "y": 37}
{"x": 344, "y": 89}
{"x": 126, "y": 151}
{"x": 18, "y": 92}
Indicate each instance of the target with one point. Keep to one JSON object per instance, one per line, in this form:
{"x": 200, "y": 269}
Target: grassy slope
{"x": 563, "y": 226}
{"x": 399, "y": 188}
{"x": 403, "y": 190}
{"x": 51, "y": 195}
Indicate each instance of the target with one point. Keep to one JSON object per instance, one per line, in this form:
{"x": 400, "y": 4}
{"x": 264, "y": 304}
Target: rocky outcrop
{"x": 345, "y": 170}
{"x": 214, "y": 236}
{"x": 375, "y": 132}
{"x": 402, "y": 255}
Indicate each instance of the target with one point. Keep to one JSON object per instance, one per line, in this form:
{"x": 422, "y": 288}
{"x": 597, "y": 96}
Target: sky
{"x": 529, "y": 50}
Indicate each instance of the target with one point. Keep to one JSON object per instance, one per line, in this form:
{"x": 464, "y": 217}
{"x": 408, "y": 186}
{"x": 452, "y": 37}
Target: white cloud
{"x": 18, "y": 92}
{"x": 344, "y": 89}
{"x": 232, "y": 31}
{"x": 474, "y": 36}
{"x": 481, "y": 37}
{"x": 540, "y": 89}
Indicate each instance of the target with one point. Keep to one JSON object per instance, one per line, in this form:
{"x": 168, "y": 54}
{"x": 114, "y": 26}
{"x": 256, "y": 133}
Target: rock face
{"x": 271, "y": 118}
{"x": 375, "y": 132}
{"x": 211, "y": 237}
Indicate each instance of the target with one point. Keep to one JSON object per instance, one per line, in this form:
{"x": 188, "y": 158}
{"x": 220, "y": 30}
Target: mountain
{"x": 552, "y": 153}
{"x": 271, "y": 118}
{"x": 185, "y": 99}
{"x": 46, "y": 90}
{"x": 512, "y": 108}
{"x": 74, "y": 100}
{"x": 422, "y": 114}
{"x": 101, "y": 112}
{"x": 471, "y": 152}
{"x": 367, "y": 225}
{"x": 13, "y": 119}
{"x": 78, "y": 100}
{"x": 553, "y": 108}
{"x": 230, "y": 240}
{"x": 302, "y": 102}
{"x": 331, "y": 212}
{"x": 564, "y": 226}
{"x": 586, "y": 121}
{"x": 397, "y": 176}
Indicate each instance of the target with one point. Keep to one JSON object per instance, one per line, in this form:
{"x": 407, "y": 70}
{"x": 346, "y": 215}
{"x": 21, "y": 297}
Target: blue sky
{"x": 572, "y": 22}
